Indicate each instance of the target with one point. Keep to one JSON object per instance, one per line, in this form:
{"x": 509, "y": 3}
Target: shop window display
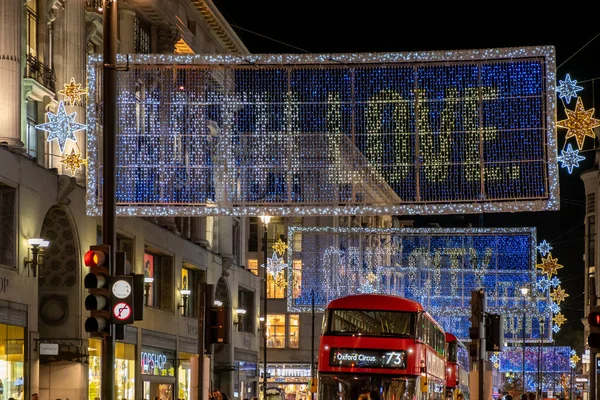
{"x": 185, "y": 374}
{"x": 124, "y": 370}
{"x": 11, "y": 361}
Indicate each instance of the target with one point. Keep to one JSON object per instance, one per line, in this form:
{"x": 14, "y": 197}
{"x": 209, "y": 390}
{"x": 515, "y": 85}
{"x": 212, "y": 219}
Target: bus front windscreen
{"x": 349, "y": 387}
{"x": 370, "y": 323}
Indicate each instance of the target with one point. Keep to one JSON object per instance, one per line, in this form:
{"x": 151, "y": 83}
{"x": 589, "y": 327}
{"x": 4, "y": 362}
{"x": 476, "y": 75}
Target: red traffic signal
{"x": 94, "y": 258}
{"x": 594, "y": 318}
{"x": 594, "y": 336}
{"x": 97, "y": 281}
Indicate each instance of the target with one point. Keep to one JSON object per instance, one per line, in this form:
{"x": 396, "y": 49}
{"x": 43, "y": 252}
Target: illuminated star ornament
{"x": 567, "y": 89}
{"x": 574, "y": 360}
{"x": 579, "y": 123}
{"x": 275, "y": 265}
{"x": 559, "y": 295}
{"x": 555, "y": 308}
{"x": 72, "y": 92}
{"x": 495, "y": 359}
{"x": 280, "y": 247}
{"x": 555, "y": 282}
{"x": 559, "y": 319}
{"x": 570, "y": 158}
{"x": 543, "y": 284}
{"x": 555, "y": 328}
{"x": 549, "y": 265}
{"x": 544, "y": 247}
{"x": 61, "y": 126}
{"x": 73, "y": 161}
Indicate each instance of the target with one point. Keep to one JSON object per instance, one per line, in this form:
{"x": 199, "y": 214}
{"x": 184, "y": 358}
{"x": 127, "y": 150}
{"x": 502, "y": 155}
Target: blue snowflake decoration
{"x": 555, "y": 282}
{"x": 367, "y": 287}
{"x": 555, "y": 308}
{"x": 570, "y": 158}
{"x": 568, "y": 89}
{"x": 555, "y": 328}
{"x": 61, "y": 126}
{"x": 543, "y": 284}
{"x": 495, "y": 359}
{"x": 544, "y": 248}
{"x": 573, "y": 365}
{"x": 573, "y": 352}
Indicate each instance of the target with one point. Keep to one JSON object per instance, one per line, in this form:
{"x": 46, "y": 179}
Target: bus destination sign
{"x": 368, "y": 358}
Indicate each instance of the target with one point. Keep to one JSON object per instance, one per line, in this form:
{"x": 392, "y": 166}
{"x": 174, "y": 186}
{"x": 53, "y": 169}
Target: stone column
{"x": 199, "y": 231}
{"x": 11, "y": 17}
{"x": 225, "y": 242}
{"x": 68, "y": 27}
{"x": 126, "y": 24}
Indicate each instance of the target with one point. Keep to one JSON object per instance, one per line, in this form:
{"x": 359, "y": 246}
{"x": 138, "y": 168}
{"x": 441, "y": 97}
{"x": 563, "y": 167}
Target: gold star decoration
{"x": 559, "y": 295}
{"x": 549, "y": 265}
{"x": 280, "y": 247}
{"x": 579, "y": 123}
{"x": 280, "y": 280}
{"x": 575, "y": 359}
{"x": 559, "y": 319}
{"x": 371, "y": 277}
{"x": 73, "y": 161}
{"x": 72, "y": 92}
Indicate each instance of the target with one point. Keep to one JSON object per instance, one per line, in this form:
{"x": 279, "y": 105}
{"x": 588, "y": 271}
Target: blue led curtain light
{"x": 348, "y": 134}
{"x": 437, "y": 267}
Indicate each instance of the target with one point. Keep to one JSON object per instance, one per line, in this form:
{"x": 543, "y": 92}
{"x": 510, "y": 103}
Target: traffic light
{"x": 594, "y": 337}
{"x": 97, "y": 281}
{"x": 478, "y": 303}
{"x": 215, "y": 325}
{"x": 494, "y": 333}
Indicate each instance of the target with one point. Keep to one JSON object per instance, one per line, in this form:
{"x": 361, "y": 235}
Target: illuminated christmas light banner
{"x": 555, "y": 365}
{"x": 347, "y": 134}
{"x": 438, "y": 267}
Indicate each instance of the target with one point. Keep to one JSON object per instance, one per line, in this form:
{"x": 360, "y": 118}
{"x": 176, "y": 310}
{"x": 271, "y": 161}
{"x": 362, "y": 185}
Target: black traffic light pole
{"x": 109, "y": 97}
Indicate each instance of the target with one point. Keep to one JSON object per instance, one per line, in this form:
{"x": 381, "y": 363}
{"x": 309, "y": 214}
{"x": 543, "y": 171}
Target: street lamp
{"x": 265, "y": 220}
{"x": 524, "y": 292}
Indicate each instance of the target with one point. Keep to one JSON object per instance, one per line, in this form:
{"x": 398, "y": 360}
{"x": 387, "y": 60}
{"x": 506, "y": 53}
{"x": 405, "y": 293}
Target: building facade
{"x": 44, "y": 347}
{"x": 591, "y": 181}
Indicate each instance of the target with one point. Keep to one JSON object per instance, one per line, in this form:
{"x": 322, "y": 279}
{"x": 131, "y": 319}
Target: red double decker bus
{"x": 457, "y": 367}
{"x": 382, "y": 344}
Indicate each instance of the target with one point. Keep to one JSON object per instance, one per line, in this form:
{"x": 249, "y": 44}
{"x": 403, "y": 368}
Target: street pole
{"x": 539, "y": 378}
{"x": 524, "y": 346}
{"x": 265, "y": 220}
{"x": 109, "y": 98}
{"x": 524, "y": 292}
{"x": 312, "y": 342}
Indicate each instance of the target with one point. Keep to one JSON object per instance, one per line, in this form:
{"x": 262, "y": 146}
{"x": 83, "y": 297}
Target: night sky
{"x": 376, "y": 26}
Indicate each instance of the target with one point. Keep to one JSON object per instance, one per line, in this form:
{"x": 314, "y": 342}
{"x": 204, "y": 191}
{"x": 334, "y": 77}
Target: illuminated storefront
{"x": 246, "y": 379}
{"x": 158, "y": 373}
{"x": 292, "y": 379}
{"x": 124, "y": 370}
{"x": 11, "y": 361}
{"x": 188, "y": 364}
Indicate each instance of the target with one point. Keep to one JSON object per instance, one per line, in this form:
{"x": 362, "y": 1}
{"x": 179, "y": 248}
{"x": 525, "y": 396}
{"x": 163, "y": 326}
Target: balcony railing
{"x": 40, "y": 72}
